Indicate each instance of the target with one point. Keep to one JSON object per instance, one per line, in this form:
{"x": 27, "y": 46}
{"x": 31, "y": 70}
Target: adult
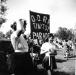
{"x": 20, "y": 59}
{"x": 18, "y": 38}
{"x": 48, "y": 49}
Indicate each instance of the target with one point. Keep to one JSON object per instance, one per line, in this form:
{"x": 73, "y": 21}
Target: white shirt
{"x": 19, "y": 44}
{"x": 47, "y": 48}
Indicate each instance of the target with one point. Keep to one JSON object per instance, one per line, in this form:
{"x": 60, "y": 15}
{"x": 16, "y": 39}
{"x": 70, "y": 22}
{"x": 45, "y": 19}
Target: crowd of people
{"x": 28, "y": 51}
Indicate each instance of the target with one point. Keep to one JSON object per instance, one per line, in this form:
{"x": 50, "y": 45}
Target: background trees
{"x": 8, "y": 34}
{"x": 64, "y": 34}
{"x": 3, "y": 9}
{"x": 2, "y": 35}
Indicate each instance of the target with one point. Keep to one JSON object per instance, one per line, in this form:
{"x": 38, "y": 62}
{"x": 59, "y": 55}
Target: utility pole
{"x": 3, "y": 9}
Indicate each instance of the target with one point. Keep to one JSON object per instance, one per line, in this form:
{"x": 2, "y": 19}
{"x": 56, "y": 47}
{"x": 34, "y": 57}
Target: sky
{"x": 62, "y": 12}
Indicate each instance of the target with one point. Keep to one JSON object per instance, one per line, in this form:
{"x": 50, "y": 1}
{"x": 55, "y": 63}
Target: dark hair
{"x": 14, "y": 26}
{"x": 46, "y": 40}
{"x": 35, "y": 37}
{"x": 51, "y": 35}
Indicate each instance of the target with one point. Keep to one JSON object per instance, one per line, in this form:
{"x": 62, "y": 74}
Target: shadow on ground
{"x": 60, "y": 60}
{"x": 73, "y": 56}
{"x": 62, "y": 73}
{"x": 41, "y": 72}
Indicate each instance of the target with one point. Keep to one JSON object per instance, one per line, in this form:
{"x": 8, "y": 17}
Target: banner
{"x": 40, "y": 25}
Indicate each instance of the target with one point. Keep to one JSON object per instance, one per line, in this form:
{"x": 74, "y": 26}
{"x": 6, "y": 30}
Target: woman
{"x": 48, "y": 49}
{"x": 20, "y": 59}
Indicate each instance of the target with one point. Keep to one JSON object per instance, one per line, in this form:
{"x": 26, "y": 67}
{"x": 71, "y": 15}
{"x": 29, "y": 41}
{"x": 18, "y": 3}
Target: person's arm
{"x": 19, "y": 32}
{"x": 13, "y": 41}
{"x": 43, "y": 51}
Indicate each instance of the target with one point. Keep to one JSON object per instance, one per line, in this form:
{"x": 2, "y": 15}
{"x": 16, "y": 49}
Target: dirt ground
{"x": 64, "y": 66}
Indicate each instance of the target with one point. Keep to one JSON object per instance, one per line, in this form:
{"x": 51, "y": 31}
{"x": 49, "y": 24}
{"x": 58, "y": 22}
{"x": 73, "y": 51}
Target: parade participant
{"x": 35, "y": 51}
{"x": 21, "y": 58}
{"x": 17, "y": 38}
{"x": 48, "y": 49}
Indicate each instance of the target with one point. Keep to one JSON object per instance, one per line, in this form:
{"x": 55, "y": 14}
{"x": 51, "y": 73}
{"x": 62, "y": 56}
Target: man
{"x": 20, "y": 59}
{"x": 49, "y": 50}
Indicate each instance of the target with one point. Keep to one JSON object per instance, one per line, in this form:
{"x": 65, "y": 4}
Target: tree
{"x": 8, "y": 34}
{"x": 70, "y": 34}
{"x": 1, "y": 35}
{"x": 64, "y": 34}
{"x": 3, "y": 9}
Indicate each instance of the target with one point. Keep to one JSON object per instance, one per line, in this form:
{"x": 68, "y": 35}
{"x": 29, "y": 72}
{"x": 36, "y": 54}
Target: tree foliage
{"x": 2, "y": 35}
{"x": 64, "y": 34}
{"x": 3, "y": 9}
{"x": 8, "y": 34}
